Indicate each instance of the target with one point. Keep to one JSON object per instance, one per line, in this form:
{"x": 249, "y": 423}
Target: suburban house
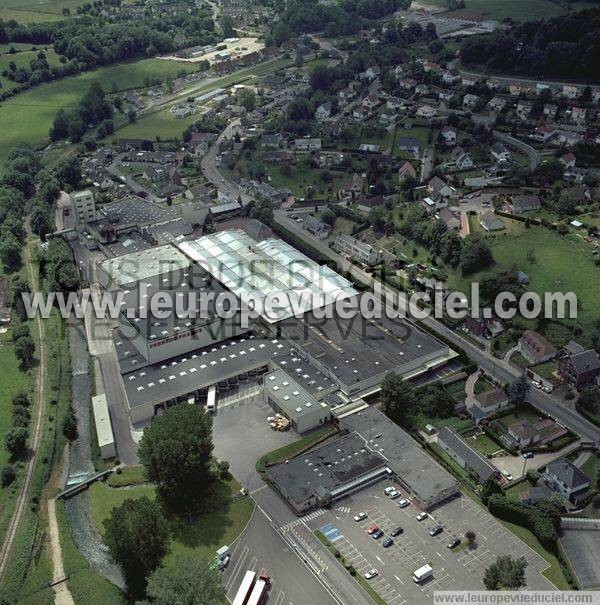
{"x": 518, "y": 204}
{"x": 516, "y": 88}
{"x": 564, "y": 477}
{"x": 270, "y": 141}
{"x": 470, "y": 100}
{"x": 307, "y": 144}
{"x": 365, "y": 253}
{"x": 449, "y": 135}
{"x": 421, "y": 89}
{"x": 500, "y": 152}
{"x": 451, "y": 76}
{"x": 371, "y": 101}
{"x": 407, "y": 83}
{"x": 410, "y": 144}
{"x": 445, "y": 95}
{"x": 488, "y": 403}
{"x": 578, "y": 114}
{"x": 352, "y": 187}
{"x": 461, "y": 158}
{"x": 372, "y": 72}
{"x": 535, "y": 494}
{"x": 426, "y": 112}
{"x": 323, "y": 111}
{"x": 438, "y": 186}
{"x": 497, "y": 104}
{"x": 395, "y": 103}
{"x": 359, "y": 114}
{"x": 524, "y": 434}
{"x": 570, "y": 91}
{"x": 568, "y": 160}
{"x": 535, "y": 348}
{"x": 468, "y": 81}
{"x": 432, "y": 204}
{"x": 348, "y": 93}
{"x": 316, "y": 227}
{"x": 449, "y": 219}
{"x": 550, "y": 109}
{"x": 524, "y": 109}
{"x": 490, "y": 221}
{"x": 544, "y": 133}
{"x": 465, "y": 456}
{"x": 578, "y": 366}
{"x": 405, "y": 171}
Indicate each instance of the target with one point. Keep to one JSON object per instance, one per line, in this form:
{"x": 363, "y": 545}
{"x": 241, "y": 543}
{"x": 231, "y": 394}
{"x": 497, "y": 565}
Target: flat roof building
{"x": 104, "y": 432}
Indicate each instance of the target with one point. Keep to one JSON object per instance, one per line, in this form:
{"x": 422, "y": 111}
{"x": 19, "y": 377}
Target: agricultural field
{"x": 26, "y": 11}
{"x": 518, "y": 10}
{"x": 43, "y": 101}
{"x": 22, "y": 59}
{"x": 160, "y": 124}
{"x": 548, "y": 259}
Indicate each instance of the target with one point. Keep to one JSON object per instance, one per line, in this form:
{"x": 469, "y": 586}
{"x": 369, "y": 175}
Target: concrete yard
{"x": 461, "y": 568}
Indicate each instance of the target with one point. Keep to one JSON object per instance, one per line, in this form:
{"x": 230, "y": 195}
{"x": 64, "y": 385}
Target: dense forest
{"x": 563, "y": 46}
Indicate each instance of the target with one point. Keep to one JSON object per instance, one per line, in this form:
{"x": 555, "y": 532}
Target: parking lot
{"x": 459, "y": 568}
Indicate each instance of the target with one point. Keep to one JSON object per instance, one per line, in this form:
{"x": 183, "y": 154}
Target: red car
{"x": 372, "y": 529}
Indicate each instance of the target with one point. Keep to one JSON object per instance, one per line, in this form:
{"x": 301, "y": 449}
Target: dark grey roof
{"x": 586, "y": 361}
{"x": 408, "y": 143}
{"x": 473, "y": 459}
{"x": 566, "y": 472}
{"x": 405, "y": 457}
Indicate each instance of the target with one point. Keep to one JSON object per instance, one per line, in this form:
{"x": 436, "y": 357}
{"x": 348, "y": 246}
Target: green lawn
{"x": 483, "y": 444}
{"x": 200, "y": 537}
{"x": 160, "y": 124}
{"x": 418, "y": 132}
{"x": 548, "y": 259}
{"x": 40, "y": 104}
{"x": 23, "y": 59}
{"x": 528, "y": 10}
{"x": 129, "y": 475}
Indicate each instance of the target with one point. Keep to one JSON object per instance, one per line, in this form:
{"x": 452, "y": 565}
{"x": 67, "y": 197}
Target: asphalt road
{"x": 496, "y": 368}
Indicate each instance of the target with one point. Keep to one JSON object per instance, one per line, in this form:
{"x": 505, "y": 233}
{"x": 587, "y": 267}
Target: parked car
{"x": 422, "y": 516}
{"x": 377, "y": 534}
{"x": 527, "y": 455}
{"x": 397, "y": 531}
{"x": 372, "y": 529}
{"x": 388, "y": 490}
{"x": 403, "y": 503}
{"x": 362, "y": 515}
{"x": 387, "y": 543}
{"x": 506, "y": 474}
{"x": 372, "y": 573}
{"x": 546, "y": 389}
{"x": 454, "y": 543}
{"x": 394, "y": 494}
{"x": 435, "y": 530}
{"x": 536, "y": 384}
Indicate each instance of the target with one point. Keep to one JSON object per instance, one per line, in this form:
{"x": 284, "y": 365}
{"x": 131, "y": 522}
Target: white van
{"x": 422, "y": 574}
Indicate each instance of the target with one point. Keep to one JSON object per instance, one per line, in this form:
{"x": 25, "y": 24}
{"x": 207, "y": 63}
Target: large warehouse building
{"x": 165, "y": 361}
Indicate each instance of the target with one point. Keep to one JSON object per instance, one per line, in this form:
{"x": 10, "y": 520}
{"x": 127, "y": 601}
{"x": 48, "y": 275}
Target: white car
{"x": 403, "y": 503}
{"x": 422, "y": 516}
{"x": 369, "y": 575}
{"x": 507, "y": 475}
{"x": 388, "y": 490}
{"x": 536, "y": 384}
{"x": 360, "y": 516}
{"x": 394, "y": 494}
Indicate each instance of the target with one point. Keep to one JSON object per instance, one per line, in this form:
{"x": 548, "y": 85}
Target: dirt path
{"x": 61, "y": 590}
{"x": 36, "y": 437}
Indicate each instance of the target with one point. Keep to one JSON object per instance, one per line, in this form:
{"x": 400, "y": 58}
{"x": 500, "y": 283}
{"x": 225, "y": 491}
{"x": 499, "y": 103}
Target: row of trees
{"x": 563, "y": 46}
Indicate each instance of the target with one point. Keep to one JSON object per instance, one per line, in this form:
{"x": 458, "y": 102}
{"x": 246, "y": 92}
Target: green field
{"x": 40, "y": 104}
{"x": 23, "y": 59}
{"x": 160, "y": 124}
{"x": 550, "y": 267}
{"x": 25, "y": 11}
{"x": 200, "y": 537}
{"x": 520, "y": 10}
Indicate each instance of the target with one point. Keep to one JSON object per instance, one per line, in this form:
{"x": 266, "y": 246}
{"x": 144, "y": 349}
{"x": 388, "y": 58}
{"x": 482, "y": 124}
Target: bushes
{"x": 16, "y": 441}
{"x": 69, "y": 427}
{"x": 8, "y": 475}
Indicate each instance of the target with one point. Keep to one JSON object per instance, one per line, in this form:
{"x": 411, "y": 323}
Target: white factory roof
{"x": 255, "y": 271}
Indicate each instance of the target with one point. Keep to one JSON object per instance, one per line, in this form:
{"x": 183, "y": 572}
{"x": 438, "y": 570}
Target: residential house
{"x": 451, "y": 76}
{"x": 347, "y": 94}
{"x": 578, "y": 366}
{"x": 534, "y": 494}
{"x": 450, "y": 219}
{"x": 405, "y": 171}
{"x": 550, "y": 110}
{"x": 544, "y": 133}
{"x": 318, "y": 228}
{"x": 470, "y": 100}
{"x": 365, "y": 253}
{"x": 516, "y": 88}
{"x": 483, "y": 327}
{"x": 490, "y": 221}
{"x": 371, "y": 101}
{"x": 500, "y": 152}
{"x": 461, "y": 158}
{"x": 388, "y": 117}
{"x": 372, "y": 72}
{"x": 524, "y": 109}
{"x": 465, "y": 456}
{"x": 409, "y": 144}
{"x": 449, "y": 135}
{"x": 565, "y": 478}
{"x": 434, "y": 203}
{"x": 407, "y": 83}
{"x": 437, "y": 186}
{"x": 398, "y": 72}
{"x": 578, "y": 114}
{"x": 535, "y": 348}
{"x": 359, "y": 114}
{"x": 307, "y": 144}
{"x": 497, "y": 104}
{"x": 323, "y": 111}
{"x": 469, "y": 81}
{"x": 517, "y": 204}
{"x": 421, "y": 89}
{"x": 488, "y": 403}
{"x": 430, "y": 66}
{"x": 568, "y": 160}
{"x": 445, "y": 95}
{"x": 570, "y": 91}
{"x": 426, "y": 112}
{"x": 568, "y": 137}
{"x": 395, "y": 103}
{"x": 352, "y": 188}
{"x": 524, "y": 434}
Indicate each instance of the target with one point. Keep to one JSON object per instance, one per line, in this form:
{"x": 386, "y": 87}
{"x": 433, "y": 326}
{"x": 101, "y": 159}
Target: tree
{"x": 281, "y": 33}
{"x": 137, "y": 536}
{"x": 506, "y": 573}
{"x": 8, "y": 475}
{"x": 471, "y": 537}
{"x": 10, "y": 252}
{"x": 397, "y": 396}
{"x": 25, "y": 350}
{"x": 489, "y": 488}
{"x": 186, "y": 580}
{"x": 518, "y": 390}
{"x": 16, "y": 441}
{"x": 247, "y": 99}
{"x": 475, "y": 254}
{"x": 176, "y": 451}
{"x": 69, "y": 427}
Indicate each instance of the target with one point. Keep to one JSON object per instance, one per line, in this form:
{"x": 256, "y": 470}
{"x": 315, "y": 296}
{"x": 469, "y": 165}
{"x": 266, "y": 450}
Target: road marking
{"x": 399, "y": 580}
{"x": 379, "y": 559}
